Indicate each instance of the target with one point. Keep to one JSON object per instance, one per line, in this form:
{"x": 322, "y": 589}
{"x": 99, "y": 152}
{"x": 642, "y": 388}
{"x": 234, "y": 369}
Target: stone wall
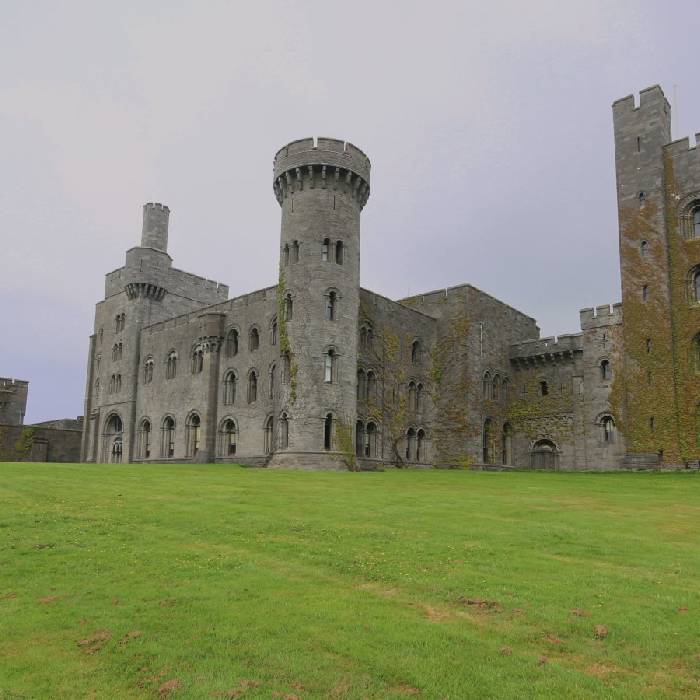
{"x": 34, "y": 444}
{"x": 13, "y": 401}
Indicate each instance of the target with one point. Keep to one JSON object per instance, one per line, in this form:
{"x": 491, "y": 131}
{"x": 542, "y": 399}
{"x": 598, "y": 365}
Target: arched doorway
{"x": 507, "y": 447}
{"x": 113, "y": 434}
{"x": 544, "y": 455}
{"x": 487, "y": 442}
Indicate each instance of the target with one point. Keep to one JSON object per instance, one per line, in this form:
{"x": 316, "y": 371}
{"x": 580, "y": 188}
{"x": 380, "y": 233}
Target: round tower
{"x": 322, "y": 186}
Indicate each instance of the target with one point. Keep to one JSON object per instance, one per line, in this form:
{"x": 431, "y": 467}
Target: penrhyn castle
{"x": 317, "y": 372}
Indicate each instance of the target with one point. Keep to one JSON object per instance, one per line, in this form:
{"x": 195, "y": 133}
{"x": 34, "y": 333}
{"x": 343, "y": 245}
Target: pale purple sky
{"x": 488, "y": 126}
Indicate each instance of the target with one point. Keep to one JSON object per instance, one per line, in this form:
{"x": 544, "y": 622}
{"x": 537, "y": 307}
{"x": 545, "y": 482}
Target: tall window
{"x": 113, "y": 439}
{"x": 696, "y": 222}
{"x": 269, "y": 434}
{"x": 325, "y": 248}
{"x": 228, "y": 438}
{"x": 328, "y": 432}
{"x": 232, "y": 343}
{"x": 366, "y": 337}
{"x": 286, "y": 367}
{"x": 171, "y": 365}
{"x": 148, "y": 371}
{"x": 496, "y": 389}
{"x": 273, "y": 331}
{"x": 410, "y": 444}
{"x": 415, "y": 352}
{"x": 644, "y": 248}
{"x": 194, "y": 435}
{"x": 230, "y": 382}
{"x": 145, "y": 439}
{"x": 544, "y": 388}
{"x": 284, "y": 431}
{"x": 339, "y": 250}
{"x": 371, "y": 440}
{"x": 605, "y": 373}
{"x": 168, "y": 441}
{"x": 295, "y": 252}
{"x": 696, "y": 353}
{"x": 253, "y": 339}
{"x": 419, "y": 397}
{"x": 411, "y": 396}
{"x": 331, "y": 299}
{"x": 608, "y": 426}
{"x": 197, "y": 360}
{"x": 273, "y": 372}
{"x": 288, "y": 307}
{"x": 420, "y": 446}
{"x": 486, "y": 386}
{"x": 330, "y": 366}
{"x": 285, "y": 254}
{"x": 371, "y": 385}
{"x": 359, "y": 439}
{"x": 361, "y": 384}
{"x": 645, "y": 292}
{"x": 252, "y": 386}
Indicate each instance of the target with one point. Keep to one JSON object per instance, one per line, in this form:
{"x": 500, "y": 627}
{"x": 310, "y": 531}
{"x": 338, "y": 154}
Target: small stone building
{"x": 317, "y": 372}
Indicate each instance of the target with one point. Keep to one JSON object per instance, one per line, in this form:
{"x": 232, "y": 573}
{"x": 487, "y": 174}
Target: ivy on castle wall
{"x": 285, "y": 344}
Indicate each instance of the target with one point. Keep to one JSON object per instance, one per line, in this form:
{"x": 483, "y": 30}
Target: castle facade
{"x": 317, "y": 372}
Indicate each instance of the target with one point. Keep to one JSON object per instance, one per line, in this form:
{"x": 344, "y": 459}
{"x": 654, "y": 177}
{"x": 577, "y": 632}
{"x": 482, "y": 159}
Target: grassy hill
{"x": 215, "y": 581}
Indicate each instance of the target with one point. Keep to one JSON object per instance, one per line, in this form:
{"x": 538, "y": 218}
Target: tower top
{"x": 155, "y": 226}
{"x": 322, "y": 151}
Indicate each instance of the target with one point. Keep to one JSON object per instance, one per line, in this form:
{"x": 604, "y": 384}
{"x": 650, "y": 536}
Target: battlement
{"x": 551, "y": 349}
{"x": 681, "y": 146}
{"x": 322, "y": 163}
{"x": 604, "y": 315}
{"x": 652, "y": 96}
{"x": 9, "y": 384}
{"x": 155, "y": 226}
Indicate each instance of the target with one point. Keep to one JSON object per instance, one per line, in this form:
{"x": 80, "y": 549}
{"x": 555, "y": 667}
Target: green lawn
{"x": 215, "y": 581}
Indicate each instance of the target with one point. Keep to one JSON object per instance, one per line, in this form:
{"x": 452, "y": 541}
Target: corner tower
{"x": 322, "y": 186}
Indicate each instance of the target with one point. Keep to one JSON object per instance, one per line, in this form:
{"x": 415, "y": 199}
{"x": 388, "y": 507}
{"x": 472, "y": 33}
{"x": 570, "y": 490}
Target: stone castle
{"x": 317, "y": 372}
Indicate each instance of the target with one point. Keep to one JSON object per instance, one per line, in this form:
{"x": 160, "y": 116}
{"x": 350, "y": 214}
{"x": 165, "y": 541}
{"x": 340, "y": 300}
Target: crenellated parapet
{"x": 546, "y": 350}
{"x": 144, "y": 290}
{"x": 321, "y": 163}
{"x": 601, "y": 316}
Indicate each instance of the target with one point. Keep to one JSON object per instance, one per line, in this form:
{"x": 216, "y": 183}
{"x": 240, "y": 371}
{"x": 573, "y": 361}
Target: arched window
{"x": 411, "y": 396}
{"x": 285, "y": 254}
{"x": 505, "y": 389}
{"x": 119, "y": 383}
{"x": 507, "y": 446}
{"x": 642, "y": 197}
{"x": 371, "y": 440}
{"x": 644, "y": 249}
{"x": 145, "y": 439}
{"x": 605, "y": 373}
{"x": 194, "y": 434}
{"x": 696, "y": 353}
{"x": 331, "y": 299}
{"x": 487, "y": 442}
{"x": 112, "y": 384}
{"x": 410, "y": 445}
{"x": 695, "y": 289}
{"x": 269, "y": 432}
{"x": 112, "y": 440}
{"x": 420, "y": 446}
{"x": 486, "y": 386}
{"x": 148, "y": 371}
{"x": 286, "y": 367}
{"x": 171, "y": 365}
{"x": 339, "y": 252}
{"x": 544, "y": 388}
{"x": 416, "y": 352}
{"x": 608, "y": 429}
{"x": 366, "y": 337}
{"x": 97, "y": 389}
{"x": 197, "y": 359}
{"x": 419, "y": 397}
{"x": 359, "y": 439}
{"x": 325, "y": 247}
{"x": 115, "y": 352}
{"x": 645, "y": 292}
{"x": 288, "y": 307}
{"x": 253, "y": 339}
{"x": 284, "y": 431}
{"x": 273, "y": 372}
{"x": 361, "y": 384}
{"x": 273, "y": 331}
{"x": 496, "y": 389}
{"x": 119, "y": 323}
{"x": 328, "y": 432}
{"x": 371, "y": 385}
{"x": 232, "y": 343}
{"x": 648, "y": 345}
{"x": 230, "y": 382}
{"x": 544, "y": 455}
{"x": 227, "y": 438}
{"x": 696, "y": 222}
{"x": 252, "y": 386}
{"x": 330, "y": 366}
{"x": 167, "y": 447}
{"x": 295, "y": 252}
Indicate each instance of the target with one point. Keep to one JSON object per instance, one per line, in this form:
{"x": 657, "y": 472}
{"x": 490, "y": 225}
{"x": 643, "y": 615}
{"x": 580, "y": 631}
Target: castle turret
{"x": 155, "y": 226}
{"x": 322, "y": 187}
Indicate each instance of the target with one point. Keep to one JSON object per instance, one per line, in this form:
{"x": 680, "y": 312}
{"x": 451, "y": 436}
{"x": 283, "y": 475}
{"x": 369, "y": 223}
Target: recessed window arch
{"x": 253, "y": 339}
{"x": 330, "y": 372}
{"x": 228, "y": 437}
{"x": 420, "y": 445}
{"x": 285, "y": 254}
{"x": 252, "y": 386}
{"x": 486, "y": 386}
{"x": 505, "y": 389}
{"x": 412, "y": 396}
{"x": 419, "y": 397}
{"x": 197, "y": 359}
{"x": 361, "y": 384}
{"x": 370, "y": 437}
{"x": 328, "y": 431}
{"x": 695, "y": 350}
{"x": 325, "y": 248}
{"x": 607, "y": 425}
{"x": 416, "y": 352}
{"x": 366, "y": 337}
{"x": 273, "y": 331}
{"x": 605, "y": 370}
{"x": 411, "y": 445}
{"x": 112, "y": 438}
{"x": 371, "y": 385}
{"x": 231, "y": 345}
{"x": 230, "y": 386}
{"x": 194, "y": 434}
{"x": 167, "y": 448}
{"x": 283, "y": 431}
{"x": 145, "y": 438}
{"x": 288, "y": 307}
{"x": 544, "y": 455}
{"x": 171, "y": 365}
{"x": 496, "y": 388}
{"x": 331, "y": 305}
{"x": 295, "y": 251}
{"x": 339, "y": 252}
{"x": 148, "y": 371}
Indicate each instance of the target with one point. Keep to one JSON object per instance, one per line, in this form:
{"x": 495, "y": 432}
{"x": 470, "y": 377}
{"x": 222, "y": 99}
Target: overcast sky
{"x": 488, "y": 125}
